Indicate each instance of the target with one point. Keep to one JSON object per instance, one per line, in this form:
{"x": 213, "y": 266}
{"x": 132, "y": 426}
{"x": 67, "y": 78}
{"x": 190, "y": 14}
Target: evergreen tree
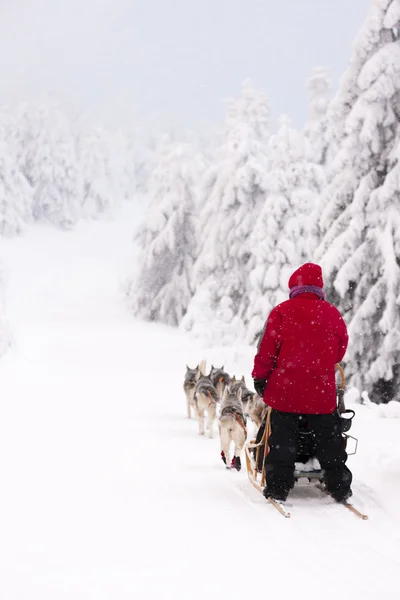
{"x": 45, "y": 148}
{"x": 316, "y": 128}
{"x": 233, "y": 197}
{"x": 97, "y": 179}
{"x": 161, "y": 289}
{"x": 360, "y": 235}
{"x": 15, "y": 196}
{"x": 281, "y": 237}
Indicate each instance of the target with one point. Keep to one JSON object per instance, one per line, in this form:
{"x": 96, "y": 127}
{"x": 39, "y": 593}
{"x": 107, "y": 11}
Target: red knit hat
{"x": 307, "y": 274}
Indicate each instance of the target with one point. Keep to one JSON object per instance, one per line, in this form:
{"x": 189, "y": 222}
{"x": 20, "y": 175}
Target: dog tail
{"x": 202, "y": 367}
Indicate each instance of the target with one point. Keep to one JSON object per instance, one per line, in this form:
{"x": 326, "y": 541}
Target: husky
{"x": 205, "y": 399}
{"x": 232, "y": 427}
{"x": 256, "y": 409}
{"x": 220, "y": 380}
{"x": 189, "y": 387}
{"x": 237, "y": 384}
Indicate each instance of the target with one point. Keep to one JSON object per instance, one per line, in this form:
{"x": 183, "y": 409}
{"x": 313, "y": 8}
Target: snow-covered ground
{"x": 106, "y": 489}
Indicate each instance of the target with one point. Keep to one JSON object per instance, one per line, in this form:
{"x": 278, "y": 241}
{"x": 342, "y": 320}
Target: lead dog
{"x": 205, "y": 399}
{"x": 189, "y": 386}
{"x": 232, "y": 427}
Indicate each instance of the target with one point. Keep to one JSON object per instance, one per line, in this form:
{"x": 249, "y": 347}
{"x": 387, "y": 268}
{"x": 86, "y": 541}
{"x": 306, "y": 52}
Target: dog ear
{"x": 233, "y": 380}
{"x": 222, "y": 368}
{"x": 243, "y": 379}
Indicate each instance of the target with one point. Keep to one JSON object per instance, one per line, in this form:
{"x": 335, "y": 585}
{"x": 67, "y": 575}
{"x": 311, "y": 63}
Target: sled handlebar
{"x": 342, "y": 377}
{"x": 340, "y": 390}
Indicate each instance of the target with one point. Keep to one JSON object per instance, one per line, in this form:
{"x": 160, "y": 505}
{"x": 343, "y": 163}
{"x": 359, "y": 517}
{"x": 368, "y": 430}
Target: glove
{"x": 259, "y": 386}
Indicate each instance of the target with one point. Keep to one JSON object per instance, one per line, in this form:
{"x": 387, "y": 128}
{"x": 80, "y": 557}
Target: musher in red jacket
{"x": 294, "y": 371}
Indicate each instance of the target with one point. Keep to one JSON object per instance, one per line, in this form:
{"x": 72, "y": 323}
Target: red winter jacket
{"x": 303, "y": 340}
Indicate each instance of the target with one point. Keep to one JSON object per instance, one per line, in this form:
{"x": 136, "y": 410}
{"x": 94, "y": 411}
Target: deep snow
{"x": 108, "y": 491}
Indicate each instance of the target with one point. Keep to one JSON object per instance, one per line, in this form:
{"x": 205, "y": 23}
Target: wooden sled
{"x": 257, "y": 451}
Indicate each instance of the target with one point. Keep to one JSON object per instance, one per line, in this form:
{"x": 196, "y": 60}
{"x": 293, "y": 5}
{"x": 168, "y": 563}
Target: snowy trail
{"x": 108, "y": 492}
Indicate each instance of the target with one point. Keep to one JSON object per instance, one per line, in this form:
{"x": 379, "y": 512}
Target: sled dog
{"x": 237, "y": 384}
{"x": 256, "y": 409}
{"x": 232, "y": 427}
{"x": 205, "y": 399}
{"x": 189, "y": 386}
{"x": 220, "y": 380}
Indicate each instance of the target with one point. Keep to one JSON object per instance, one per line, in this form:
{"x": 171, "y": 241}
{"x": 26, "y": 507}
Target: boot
{"x": 236, "y": 464}
{"x": 277, "y": 497}
{"x": 342, "y": 496}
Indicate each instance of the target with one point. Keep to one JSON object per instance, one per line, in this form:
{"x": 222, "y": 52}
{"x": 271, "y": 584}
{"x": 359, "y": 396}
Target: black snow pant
{"x": 329, "y": 450}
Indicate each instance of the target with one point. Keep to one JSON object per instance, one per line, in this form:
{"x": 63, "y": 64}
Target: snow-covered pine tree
{"x": 15, "y": 196}
{"x": 360, "y": 221}
{"x": 144, "y": 160}
{"x": 233, "y": 198}
{"x": 317, "y": 146}
{"x": 161, "y": 289}
{"x": 281, "y": 236}
{"x": 15, "y": 191}
{"x": 120, "y": 149}
{"x": 45, "y": 147}
{"x": 319, "y": 88}
{"x": 97, "y": 180}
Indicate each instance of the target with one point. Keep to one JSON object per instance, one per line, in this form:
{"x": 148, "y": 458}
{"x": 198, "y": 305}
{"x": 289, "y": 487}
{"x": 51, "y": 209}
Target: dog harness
{"x": 237, "y": 415}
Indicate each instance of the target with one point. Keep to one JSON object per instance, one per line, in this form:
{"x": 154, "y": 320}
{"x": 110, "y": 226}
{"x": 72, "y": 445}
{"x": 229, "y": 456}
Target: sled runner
{"x": 256, "y": 451}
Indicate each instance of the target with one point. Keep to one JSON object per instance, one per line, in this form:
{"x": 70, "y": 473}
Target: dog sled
{"x": 257, "y": 449}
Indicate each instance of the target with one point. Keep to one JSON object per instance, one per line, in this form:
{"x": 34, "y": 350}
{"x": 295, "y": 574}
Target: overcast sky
{"x": 174, "y": 60}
